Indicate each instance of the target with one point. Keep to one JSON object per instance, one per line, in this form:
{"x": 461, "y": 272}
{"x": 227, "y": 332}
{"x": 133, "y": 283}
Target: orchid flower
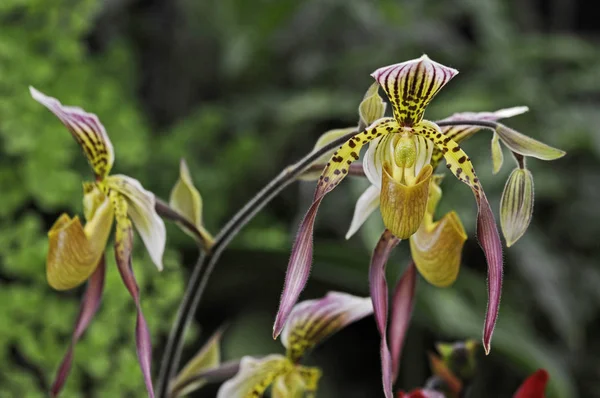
{"x": 76, "y": 252}
{"x": 310, "y": 323}
{"x": 399, "y": 162}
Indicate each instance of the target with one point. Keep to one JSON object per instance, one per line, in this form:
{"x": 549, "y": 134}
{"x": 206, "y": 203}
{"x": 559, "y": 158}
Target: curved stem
{"x": 207, "y": 260}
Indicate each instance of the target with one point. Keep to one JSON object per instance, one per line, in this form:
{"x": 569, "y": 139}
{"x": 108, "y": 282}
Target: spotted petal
{"x": 411, "y": 85}
{"x": 301, "y": 257}
{"x": 255, "y": 376}
{"x": 87, "y": 131}
{"x": 141, "y": 210}
{"x": 460, "y": 165}
{"x": 379, "y": 296}
{"x": 323, "y": 140}
{"x": 313, "y": 321}
{"x": 74, "y": 251}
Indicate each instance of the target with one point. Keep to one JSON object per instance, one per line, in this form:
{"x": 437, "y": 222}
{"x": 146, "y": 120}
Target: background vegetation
{"x": 243, "y": 88}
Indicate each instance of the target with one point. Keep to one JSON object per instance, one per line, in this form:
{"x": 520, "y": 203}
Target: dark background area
{"x": 241, "y": 89}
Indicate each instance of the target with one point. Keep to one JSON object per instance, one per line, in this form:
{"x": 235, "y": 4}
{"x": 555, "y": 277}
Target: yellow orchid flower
{"x": 310, "y": 323}
{"x": 403, "y": 151}
{"x": 76, "y": 252}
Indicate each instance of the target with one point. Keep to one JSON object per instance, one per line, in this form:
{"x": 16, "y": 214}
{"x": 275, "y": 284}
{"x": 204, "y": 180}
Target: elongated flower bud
{"x": 516, "y": 205}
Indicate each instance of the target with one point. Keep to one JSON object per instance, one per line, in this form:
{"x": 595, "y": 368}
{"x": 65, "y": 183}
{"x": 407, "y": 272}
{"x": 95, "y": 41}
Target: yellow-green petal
{"x": 74, "y": 251}
{"x": 208, "y": 357}
{"x": 255, "y": 376}
{"x": 516, "y": 205}
{"x": 372, "y": 107}
{"x": 497, "y": 155}
{"x": 527, "y": 146}
{"x": 403, "y": 206}
{"x": 87, "y": 131}
{"x": 436, "y": 249}
{"x": 289, "y": 386}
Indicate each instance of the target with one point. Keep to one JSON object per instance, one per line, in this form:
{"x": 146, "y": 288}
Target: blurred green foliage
{"x": 241, "y": 89}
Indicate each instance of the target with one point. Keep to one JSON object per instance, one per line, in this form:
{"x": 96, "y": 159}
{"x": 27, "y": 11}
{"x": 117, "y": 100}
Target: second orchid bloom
{"x": 76, "y": 252}
{"x": 403, "y": 153}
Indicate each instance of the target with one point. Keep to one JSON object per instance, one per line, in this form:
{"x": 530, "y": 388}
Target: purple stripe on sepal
{"x": 142, "y": 334}
{"x": 298, "y": 268}
{"x": 489, "y": 240}
{"x": 89, "y": 306}
{"x": 379, "y": 296}
{"x": 402, "y": 306}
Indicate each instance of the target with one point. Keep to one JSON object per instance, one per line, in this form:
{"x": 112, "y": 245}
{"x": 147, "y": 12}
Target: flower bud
{"x": 516, "y": 205}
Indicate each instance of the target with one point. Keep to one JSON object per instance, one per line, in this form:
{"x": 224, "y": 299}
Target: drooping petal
{"x": 403, "y": 206}
{"x": 460, "y": 165}
{"x": 89, "y": 306}
{"x": 411, "y": 85}
{"x": 365, "y": 206}
{"x": 301, "y": 257}
{"x": 379, "y": 296}
{"x": 255, "y": 376}
{"x": 208, "y": 357}
{"x": 402, "y": 306}
{"x": 323, "y": 140}
{"x": 516, "y": 205}
{"x": 534, "y": 386}
{"x": 312, "y": 321}
{"x": 436, "y": 249}
{"x": 527, "y": 146}
{"x": 372, "y": 107}
{"x": 123, "y": 251}
{"x": 141, "y": 209}
{"x": 186, "y": 200}
{"x": 497, "y": 155}
{"x": 489, "y": 240}
{"x": 75, "y": 251}
{"x": 87, "y": 131}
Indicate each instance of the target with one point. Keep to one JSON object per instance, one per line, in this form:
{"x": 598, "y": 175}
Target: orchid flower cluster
{"x": 401, "y": 159}
{"x": 402, "y": 153}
